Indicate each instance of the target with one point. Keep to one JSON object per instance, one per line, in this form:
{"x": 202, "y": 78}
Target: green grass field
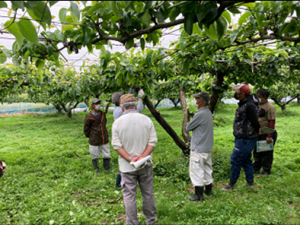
{"x": 50, "y": 178}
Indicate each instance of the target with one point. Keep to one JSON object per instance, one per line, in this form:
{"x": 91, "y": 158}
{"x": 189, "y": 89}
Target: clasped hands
{"x": 136, "y": 158}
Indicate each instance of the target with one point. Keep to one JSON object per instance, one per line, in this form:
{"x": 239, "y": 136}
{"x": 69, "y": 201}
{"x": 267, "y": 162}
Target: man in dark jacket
{"x": 245, "y": 129}
{"x": 95, "y": 130}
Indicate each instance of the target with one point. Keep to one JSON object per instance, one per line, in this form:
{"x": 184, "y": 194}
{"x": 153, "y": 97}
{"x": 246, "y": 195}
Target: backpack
{"x": 2, "y": 168}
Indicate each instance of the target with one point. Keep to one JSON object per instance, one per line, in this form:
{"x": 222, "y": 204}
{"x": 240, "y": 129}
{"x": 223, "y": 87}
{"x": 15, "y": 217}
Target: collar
{"x": 129, "y": 111}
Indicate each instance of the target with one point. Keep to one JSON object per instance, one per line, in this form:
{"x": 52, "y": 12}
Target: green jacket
{"x": 95, "y": 131}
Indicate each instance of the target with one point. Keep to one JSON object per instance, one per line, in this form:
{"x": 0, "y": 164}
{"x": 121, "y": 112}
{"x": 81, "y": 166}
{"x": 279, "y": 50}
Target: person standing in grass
{"x": 267, "y": 116}
{"x": 95, "y": 130}
{"x": 245, "y": 129}
{"x": 115, "y": 98}
{"x": 134, "y": 137}
{"x": 201, "y": 145}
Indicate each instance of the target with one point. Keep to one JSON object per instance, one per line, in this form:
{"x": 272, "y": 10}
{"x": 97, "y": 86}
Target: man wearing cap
{"x": 245, "y": 129}
{"x": 118, "y": 112}
{"x": 134, "y": 137}
{"x": 115, "y": 98}
{"x": 201, "y": 145}
{"x": 267, "y": 116}
{"x": 95, "y": 130}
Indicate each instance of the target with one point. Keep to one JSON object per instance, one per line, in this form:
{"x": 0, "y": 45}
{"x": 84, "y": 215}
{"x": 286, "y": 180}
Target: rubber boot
{"x": 118, "y": 181}
{"x": 208, "y": 189}
{"x": 96, "y": 165}
{"x": 106, "y": 165}
{"x": 198, "y": 196}
{"x": 228, "y": 187}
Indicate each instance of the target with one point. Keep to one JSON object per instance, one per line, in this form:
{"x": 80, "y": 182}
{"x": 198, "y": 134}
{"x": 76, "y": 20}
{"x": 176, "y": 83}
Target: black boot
{"x": 106, "y": 165}
{"x": 96, "y": 165}
{"x": 208, "y": 189}
{"x": 198, "y": 196}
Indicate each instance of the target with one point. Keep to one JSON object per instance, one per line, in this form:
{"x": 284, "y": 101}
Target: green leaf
{"x": 221, "y": 27}
{"x": 211, "y": 14}
{"x": 276, "y": 6}
{"x": 182, "y": 44}
{"x": 188, "y": 23}
{"x": 52, "y": 3}
{"x": 7, "y": 52}
{"x": 233, "y": 36}
{"x": 59, "y": 35}
{"x": 2, "y": 57}
{"x": 212, "y": 31}
{"x": 42, "y": 12}
{"x": 28, "y": 30}
{"x": 249, "y": 5}
{"x": 244, "y": 17}
{"x": 234, "y": 9}
{"x": 86, "y": 37}
{"x": 196, "y": 29}
{"x": 227, "y": 16}
{"x": 146, "y": 19}
{"x": 260, "y": 16}
{"x": 17, "y": 4}
{"x": 142, "y": 43}
{"x": 3, "y": 4}
{"x": 174, "y": 13}
{"x": 201, "y": 15}
{"x": 15, "y": 61}
{"x": 129, "y": 43}
{"x": 14, "y": 30}
{"x": 62, "y": 15}
{"x": 75, "y": 10}
{"x": 114, "y": 7}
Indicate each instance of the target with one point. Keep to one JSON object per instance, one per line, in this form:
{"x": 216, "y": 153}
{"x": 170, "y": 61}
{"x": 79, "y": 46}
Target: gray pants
{"x": 129, "y": 182}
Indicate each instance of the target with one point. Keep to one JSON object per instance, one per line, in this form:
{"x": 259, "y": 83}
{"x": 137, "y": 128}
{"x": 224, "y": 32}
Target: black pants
{"x": 263, "y": 159}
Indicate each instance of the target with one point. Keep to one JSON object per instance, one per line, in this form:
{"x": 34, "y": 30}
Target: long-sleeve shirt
{"x": 118, "y": 111}
{"x": 132, "y": 132}
{"x": 203, "y": 133}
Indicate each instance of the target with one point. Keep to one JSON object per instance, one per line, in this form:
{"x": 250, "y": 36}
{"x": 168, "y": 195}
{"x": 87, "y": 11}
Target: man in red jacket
{"x": 95, "y": 130}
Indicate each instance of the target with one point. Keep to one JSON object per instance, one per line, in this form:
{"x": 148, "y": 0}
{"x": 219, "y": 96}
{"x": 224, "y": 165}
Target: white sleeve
{"x": 117, "y": 113}
{"x": 115, "y": 141}
{"x": 152, "y": 138}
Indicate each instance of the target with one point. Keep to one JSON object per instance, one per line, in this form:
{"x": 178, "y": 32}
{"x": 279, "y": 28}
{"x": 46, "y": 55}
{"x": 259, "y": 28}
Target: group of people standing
{"x": 134, "y": 138}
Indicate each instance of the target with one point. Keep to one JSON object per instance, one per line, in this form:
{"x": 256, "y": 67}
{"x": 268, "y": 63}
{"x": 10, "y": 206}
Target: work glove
{"x": 141, "y": 93}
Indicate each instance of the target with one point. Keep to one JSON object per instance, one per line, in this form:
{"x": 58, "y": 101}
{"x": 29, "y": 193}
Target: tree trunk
{"x": 298, "y": 100}
{"x": 87, "y": 105}
{"x": 106, "y": 108}
{"x": 71, "y": 108}
{"x": 216, "y": 91}
{"x": 185, "y": 134}
{"x": 58, "y": 108}
{"x": 166, "y": 126}
{"x": 175, "y": 101}
{"x": 277, "y": 102}
{"x": 158, "y": 101}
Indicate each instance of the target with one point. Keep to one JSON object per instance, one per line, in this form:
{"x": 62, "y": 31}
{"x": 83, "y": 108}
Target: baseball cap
{"x": 116, "y": 96}
{"x": 242, "y": 87}
{"x": 202, "y": 95}
{"x": 95, "y": 100}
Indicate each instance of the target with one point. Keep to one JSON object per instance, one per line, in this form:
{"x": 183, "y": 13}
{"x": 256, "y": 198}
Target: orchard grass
{"x": 50, "y": 178}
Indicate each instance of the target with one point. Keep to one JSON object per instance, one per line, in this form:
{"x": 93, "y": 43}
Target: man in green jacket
{"x": 95, "y": 130}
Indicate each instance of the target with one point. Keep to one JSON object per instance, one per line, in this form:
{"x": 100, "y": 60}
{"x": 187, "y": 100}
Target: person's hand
{"x": 269, "y": 140}
{"x": 141, "y": 93}
{"x": 260, "y": 132}
{"x": 134, "y": 159}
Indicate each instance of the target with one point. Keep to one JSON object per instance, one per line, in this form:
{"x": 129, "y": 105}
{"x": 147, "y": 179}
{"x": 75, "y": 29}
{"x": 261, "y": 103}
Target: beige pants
{"x": 128, "y": 183}
{"x": 200, "y": 168}
{"x": 97, "y": 150}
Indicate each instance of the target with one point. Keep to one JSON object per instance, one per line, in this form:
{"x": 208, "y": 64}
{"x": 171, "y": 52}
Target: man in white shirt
{"x": 134, "y": 137}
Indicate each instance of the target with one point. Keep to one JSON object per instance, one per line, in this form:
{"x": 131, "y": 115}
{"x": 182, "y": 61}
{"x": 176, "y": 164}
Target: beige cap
{"x": 127, "y": 98}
